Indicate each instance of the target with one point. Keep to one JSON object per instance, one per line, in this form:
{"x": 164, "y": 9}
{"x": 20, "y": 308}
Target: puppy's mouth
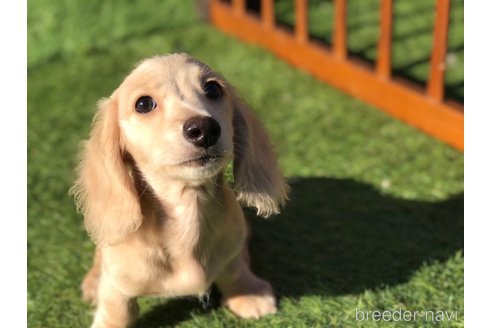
{"x": 203, "y": 160}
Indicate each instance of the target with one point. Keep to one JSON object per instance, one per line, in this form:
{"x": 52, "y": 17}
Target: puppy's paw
{"x": 252, "y": 306}
{"x": 89, "y": 288}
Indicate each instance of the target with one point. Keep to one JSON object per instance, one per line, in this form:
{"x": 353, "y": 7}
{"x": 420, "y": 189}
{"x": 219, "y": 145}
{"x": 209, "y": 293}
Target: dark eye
{"x": 212, "y": 90}
{"x": 145, "y": 104}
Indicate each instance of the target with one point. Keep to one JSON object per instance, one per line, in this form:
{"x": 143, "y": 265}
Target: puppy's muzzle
{"x": 202, "y": 131}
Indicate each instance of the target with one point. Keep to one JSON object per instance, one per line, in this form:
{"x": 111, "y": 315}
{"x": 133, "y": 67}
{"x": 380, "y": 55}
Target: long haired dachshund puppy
{"x": 151, "y": 188}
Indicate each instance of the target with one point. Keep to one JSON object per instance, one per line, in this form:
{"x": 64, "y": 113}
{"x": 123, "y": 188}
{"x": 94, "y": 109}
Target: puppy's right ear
{"x": 258, "y": 179}
{"x": 104, "y": 191}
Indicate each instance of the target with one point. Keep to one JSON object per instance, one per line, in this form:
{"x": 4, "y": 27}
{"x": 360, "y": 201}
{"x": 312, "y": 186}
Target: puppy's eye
{"x": 145, "y": 104}
{"x": 212, "y": 90}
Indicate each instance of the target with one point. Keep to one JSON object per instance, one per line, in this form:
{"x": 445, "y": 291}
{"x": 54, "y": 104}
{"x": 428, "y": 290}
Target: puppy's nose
{"x": 202, "y": 131}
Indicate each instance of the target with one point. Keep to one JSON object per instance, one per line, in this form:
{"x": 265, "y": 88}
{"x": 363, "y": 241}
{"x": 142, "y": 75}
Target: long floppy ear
{"x": 104, "y": 191}
{"x": 258, "y": 180}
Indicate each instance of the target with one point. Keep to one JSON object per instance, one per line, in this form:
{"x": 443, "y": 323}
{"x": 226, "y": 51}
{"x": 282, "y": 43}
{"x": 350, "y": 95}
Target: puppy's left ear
{"x": 104, "y": 190}
{"x": 258, "y": 180}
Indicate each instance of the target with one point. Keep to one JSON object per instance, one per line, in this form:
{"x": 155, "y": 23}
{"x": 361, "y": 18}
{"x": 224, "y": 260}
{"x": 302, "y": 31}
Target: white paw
{"x": 251, "y": 306}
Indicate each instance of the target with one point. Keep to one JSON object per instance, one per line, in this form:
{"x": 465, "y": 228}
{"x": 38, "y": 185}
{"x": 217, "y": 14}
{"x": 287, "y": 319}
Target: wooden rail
{"x": 424, "y": 109}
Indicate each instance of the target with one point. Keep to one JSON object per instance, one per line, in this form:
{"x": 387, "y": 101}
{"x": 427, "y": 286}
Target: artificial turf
{"x": 375, "y": 220}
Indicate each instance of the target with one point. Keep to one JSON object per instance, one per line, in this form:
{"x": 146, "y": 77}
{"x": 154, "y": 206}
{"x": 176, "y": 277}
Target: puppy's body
{"x": 153, "y": 195}
{"x": 181, "y": 250}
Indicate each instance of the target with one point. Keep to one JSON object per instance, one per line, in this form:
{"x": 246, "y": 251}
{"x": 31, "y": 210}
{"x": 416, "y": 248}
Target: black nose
{"x": 202, "y": 131}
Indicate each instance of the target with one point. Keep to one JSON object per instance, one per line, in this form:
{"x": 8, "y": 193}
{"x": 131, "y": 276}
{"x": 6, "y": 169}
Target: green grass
{"x": 375, "y": 219}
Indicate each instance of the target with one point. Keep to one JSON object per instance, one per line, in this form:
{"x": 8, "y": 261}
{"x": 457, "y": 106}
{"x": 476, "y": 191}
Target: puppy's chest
{"x": 181, "y": 258}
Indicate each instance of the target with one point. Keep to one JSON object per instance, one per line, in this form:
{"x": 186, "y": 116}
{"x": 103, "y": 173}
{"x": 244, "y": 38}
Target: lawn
{"x": 375, "y": 220}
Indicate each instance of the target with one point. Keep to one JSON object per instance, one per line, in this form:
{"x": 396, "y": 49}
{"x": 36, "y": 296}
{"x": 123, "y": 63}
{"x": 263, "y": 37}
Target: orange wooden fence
{"x": 425, "y": 109}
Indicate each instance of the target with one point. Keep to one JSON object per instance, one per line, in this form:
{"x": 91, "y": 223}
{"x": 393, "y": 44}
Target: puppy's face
{"x": 177, "y": 119}
{"x": 175, "y": 116}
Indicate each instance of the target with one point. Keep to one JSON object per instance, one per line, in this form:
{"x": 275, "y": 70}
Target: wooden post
{"x": 340, "y": 29}
{"x": 239, "y": 7}
{"x": 301, "y": 29}
{"x": 435, "y": 86}
{"x": 383, "y": 64}
{"x": 268, "y": 14}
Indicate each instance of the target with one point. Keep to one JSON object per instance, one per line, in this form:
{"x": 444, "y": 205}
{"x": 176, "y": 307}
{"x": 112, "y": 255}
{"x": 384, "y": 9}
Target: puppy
{"x": 155, "y": 201}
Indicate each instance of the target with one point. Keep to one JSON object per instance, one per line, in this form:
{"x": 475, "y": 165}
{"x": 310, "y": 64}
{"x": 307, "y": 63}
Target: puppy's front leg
{"x": 90, "y": 285}
{"x": 114, "y": 309}
{"x": 244, "y": 293}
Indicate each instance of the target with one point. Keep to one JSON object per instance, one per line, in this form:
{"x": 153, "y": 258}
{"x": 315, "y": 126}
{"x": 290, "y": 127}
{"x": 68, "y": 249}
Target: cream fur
{"x": 163, "y": 227}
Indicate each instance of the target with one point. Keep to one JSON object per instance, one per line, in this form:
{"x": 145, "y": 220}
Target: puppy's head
{"x": 177, "y": 119}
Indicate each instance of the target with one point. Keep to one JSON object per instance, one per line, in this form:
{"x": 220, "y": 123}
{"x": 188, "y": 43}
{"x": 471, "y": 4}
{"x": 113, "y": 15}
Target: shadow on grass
{"x": 168, "y": 314}
{"x": 341, "y": 236}
{"x": 338, "y": 236}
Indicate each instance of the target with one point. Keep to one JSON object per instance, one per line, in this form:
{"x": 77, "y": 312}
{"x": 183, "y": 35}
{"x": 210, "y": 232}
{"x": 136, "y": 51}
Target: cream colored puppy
{"x": 153, "y": 195}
